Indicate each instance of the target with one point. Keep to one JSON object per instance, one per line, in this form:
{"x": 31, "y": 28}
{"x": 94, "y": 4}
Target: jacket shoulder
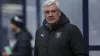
{"x": 72, "y": 27}
{"x": 26, "y": 35}
{"x": 40, "y": 29}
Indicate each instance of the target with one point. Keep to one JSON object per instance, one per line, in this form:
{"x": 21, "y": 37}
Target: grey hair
{"x": 50, "y": 2}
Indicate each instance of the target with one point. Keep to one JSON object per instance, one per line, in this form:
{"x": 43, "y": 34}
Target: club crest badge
{"x": 58, "y": 34}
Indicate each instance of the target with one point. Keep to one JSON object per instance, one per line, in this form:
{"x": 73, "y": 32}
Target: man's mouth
{"x": 51, "y": 18}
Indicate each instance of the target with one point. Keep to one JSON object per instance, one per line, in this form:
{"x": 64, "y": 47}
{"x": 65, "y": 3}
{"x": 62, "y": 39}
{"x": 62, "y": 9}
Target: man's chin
{"x": 51, "y": 23}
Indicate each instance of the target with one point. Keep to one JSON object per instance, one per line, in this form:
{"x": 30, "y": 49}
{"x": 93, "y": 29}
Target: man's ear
{"x": 59, "y": 13}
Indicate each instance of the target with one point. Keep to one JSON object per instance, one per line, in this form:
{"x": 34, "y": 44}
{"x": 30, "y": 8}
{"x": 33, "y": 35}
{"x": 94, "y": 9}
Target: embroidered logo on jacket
{"x": 58, "y": 34}
{"x": 42, "y": 35}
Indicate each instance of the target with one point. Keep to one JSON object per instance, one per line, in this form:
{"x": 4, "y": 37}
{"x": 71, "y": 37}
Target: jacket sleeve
{"x": 23, "y": 47}
{"x": 35, "y": 48}
{"x": 76, "y": 42}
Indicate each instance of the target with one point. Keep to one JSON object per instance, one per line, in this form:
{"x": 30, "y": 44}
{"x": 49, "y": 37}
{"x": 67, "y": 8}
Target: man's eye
{"x": 46, "y": 12}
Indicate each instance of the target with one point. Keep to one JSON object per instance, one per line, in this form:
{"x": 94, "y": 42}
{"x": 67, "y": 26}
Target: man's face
{"x": 52, "y": 14}
{"x": 13, "y": 27}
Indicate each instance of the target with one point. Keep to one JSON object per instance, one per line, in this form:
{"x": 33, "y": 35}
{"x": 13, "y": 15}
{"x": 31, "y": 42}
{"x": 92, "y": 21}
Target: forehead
{"x": 51, "y": 7}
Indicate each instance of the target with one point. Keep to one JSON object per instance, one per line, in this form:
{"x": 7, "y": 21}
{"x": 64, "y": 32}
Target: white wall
{"x": 31, "y": 18}
{"x": 94, "y": 22}
{"x": 94, "y": 53}
{"x": 94, "y": 25}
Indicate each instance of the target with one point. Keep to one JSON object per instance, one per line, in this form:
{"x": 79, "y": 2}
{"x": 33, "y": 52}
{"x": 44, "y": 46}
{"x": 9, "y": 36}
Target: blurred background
{"x": 83, "y": 13}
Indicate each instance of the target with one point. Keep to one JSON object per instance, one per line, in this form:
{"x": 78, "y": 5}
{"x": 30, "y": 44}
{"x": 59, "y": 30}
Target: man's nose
{"x": 50, "y": 14}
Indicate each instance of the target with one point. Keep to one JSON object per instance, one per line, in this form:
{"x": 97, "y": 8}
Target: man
{"x": 57, "y": 36}
{"x": 23, "y": 46}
